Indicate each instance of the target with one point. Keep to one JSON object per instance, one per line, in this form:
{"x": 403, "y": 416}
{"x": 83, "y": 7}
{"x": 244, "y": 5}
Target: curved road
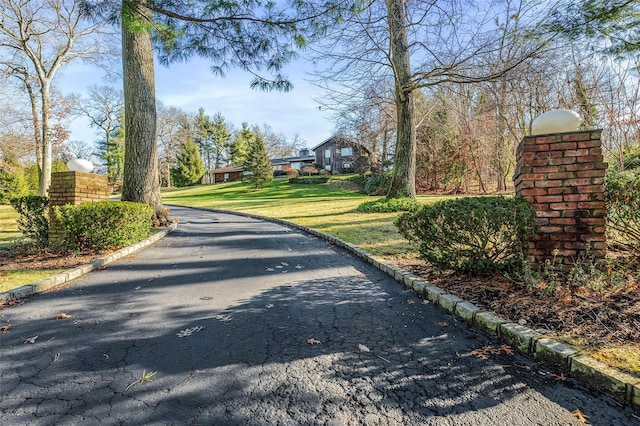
{"x": 230, "y": 320}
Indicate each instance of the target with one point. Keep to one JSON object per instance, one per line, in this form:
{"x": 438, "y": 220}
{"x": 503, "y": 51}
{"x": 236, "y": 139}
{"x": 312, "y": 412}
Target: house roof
{"x": 292, "y": 159}
{"x": 335, "y": 138}
{"x": 229, "y": 169}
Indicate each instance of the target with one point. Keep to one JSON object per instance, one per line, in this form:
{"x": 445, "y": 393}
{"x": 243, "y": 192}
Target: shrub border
{"x": 71, "y": 274}
{"x": 622, "y": 387}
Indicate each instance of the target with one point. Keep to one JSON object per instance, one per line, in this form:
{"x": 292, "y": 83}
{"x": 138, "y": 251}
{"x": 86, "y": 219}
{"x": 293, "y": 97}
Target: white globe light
{"x": 556, "y": 121}
{"x": 80, "y": 165}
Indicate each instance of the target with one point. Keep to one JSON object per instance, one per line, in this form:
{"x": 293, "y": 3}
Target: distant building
{"x": 340, "y": 155}
{"x": 227, "y": 174}
{"x": 304, "y": 158}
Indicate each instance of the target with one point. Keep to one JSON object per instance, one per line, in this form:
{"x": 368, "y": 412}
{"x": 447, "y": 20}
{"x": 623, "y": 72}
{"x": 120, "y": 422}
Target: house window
{"x": 295, "y": 165}
{"x": 346, "y": 166}
{"x": 346, "y": 151}
{"x": 327, "y": 153}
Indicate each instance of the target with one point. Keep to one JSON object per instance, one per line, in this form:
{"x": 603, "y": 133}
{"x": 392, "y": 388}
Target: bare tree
{"x": 37, "y": 38}
{"x": 447, "y": 42}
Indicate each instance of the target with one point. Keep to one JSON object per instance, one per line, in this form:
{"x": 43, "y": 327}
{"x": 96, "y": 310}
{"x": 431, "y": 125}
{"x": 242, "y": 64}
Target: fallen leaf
{"x": 137, "y": 288}
{"x": 206, "y": 298}
{"x": 364, "y": 348}
{"x": 269, "y": 269}
{"x": 442, "y": 324}
{"x": 5, "y": 328}
{"x": 63, "y": 316}
{"x": 411, "y": 301}
{"x": 506, "y": 349}
{"x": 270, "y": 305}
{"x": 30, "y": 339}
{"x": 560, "y": 376}
{"x": 299, "y": 266}
{"x": 580, "y": 416}
{"x": 313, "y": 341}
{"x": 189, "y": 331}
{"x": 284, "y": 263}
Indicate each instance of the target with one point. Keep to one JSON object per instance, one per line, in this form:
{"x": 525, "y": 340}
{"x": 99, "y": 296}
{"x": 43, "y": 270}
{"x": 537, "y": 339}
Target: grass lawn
{"x": 323, "y": 207}
{"x": 8, "y": 226}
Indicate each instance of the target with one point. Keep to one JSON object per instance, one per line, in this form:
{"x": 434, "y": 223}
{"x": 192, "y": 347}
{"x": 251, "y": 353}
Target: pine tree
{"x": 189, "y": 168}
{"x": 258, "y": 171}
{"x": 240, "y": 145}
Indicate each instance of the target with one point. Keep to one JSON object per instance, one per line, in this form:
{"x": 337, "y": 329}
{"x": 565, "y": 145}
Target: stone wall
{"x": 562, "y": 175}
{"x": 74, "y": 188}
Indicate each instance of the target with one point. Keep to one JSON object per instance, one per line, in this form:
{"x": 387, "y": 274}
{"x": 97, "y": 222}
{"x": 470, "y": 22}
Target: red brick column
{"x": 73, "y": 188}
{"x": 562, "y": 175}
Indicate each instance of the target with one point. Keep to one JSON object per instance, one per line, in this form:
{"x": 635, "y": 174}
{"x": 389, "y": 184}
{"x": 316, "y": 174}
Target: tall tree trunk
{"x": 140, "y": 183}
{"x": 36, "y": 127}
{"x": 45, "y": 176}
{"x": 403, "y": 183}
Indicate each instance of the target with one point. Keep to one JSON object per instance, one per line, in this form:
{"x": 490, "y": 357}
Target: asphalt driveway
{"x": 230, "y": 320}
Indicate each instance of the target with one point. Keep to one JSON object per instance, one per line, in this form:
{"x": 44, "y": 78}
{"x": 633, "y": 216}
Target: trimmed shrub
{"x": 310, "y": 179}
{"x": 378, "y": 184}
{"x": 33, "y": 221}
{"x": 388, "y": 205}
{"x": 474, "y": 234}
{"x": 622, "y": 194}
{"x": 104, "y": 224}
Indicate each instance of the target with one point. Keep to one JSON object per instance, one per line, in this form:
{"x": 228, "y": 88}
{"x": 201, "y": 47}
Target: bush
{"x": 475, "y": 234}
{"x": 104, "y": 224}
{"x": 378, "y": 184}
{"x": 292, "y": 173}
{"x": 310, "y": 179}
{"x": 388, "y": 205}
{"x": 622, "y": 194}
{"x": 33, "y": 221}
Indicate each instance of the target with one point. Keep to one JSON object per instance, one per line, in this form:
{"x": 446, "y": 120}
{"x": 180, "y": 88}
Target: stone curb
{"x": 66, "y": 276}
{"x": 623, "y": 388}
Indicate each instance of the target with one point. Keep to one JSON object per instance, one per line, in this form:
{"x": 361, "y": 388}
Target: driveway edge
{"x": 71, "y": 274}
{"x": 624, "y": 388}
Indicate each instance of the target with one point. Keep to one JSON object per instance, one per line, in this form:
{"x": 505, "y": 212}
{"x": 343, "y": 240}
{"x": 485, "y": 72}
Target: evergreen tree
{"x": 258, "y": 171}
{"x": 240, "y": 145}
{"x": 189, "y": 168}
{"x": 111, "y": 151}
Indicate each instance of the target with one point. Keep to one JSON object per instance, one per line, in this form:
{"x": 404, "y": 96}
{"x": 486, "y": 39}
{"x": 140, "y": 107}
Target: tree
{"x": 250, "y": 34}
{"x": 37, "y": 38}
{"x": 258, "y": 170}
{"x": 189, "y": 168}
{"x": 175, "y": 128}
{"x": 447, "y": 41}
{"x": 240, "y": 145}
{"x": 212, "y": 137}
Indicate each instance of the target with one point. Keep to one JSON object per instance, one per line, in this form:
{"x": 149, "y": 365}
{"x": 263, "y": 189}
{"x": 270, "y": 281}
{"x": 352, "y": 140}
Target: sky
{"x": 192, "y": 85}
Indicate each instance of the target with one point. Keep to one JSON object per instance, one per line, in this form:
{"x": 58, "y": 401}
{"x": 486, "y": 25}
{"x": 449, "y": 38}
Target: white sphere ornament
{"x": 80, "y": 165}
{"x": 556, "y": 121}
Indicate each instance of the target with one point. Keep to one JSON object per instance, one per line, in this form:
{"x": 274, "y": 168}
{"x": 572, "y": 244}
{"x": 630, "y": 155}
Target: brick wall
{"x": 74, "y": 188}
{"x": 562, "y": 175}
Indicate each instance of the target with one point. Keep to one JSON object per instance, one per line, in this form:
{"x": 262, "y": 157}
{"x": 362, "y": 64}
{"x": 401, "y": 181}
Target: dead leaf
{"x": 506, "y": 349}
{"x": 560, "y": 376}
{"x": 5, "y": 328}
{"x": 270, "y": 305}
{"x": 223, "y": 318}
{"x": 63, "y": 316}
{"x": 410, "y": 302}
{"x": 189, "y": 331}
{"x": 206, "y": 298}
{"x": 364, "y": 348}
{"x": 313, "y": 341}
{"x": 442, "y": 324}
{"x": 30, "y": 339}
{"x": 580, "y": 416}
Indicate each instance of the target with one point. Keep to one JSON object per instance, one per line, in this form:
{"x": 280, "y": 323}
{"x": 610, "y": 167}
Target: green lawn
{"x": 8, "y": 226}
{"x": 323, "y": 207}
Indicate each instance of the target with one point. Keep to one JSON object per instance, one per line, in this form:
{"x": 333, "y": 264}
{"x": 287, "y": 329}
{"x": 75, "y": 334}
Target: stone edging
{"x": 622, "y": 387}
{"x": 66, "y": 276}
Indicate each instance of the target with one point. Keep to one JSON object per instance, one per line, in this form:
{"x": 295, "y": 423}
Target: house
{"x": 340, "y": 155}
{"x": 283, "y": 165}
{"x": 227, "y": 174}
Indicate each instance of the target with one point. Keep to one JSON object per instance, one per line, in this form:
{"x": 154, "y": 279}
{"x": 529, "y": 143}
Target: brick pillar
{"x": 562, "y": 175}
{"x": 73, "y": 188}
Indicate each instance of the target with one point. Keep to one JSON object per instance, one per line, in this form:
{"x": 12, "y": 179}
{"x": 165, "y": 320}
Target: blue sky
{"x": 192, "y": 85}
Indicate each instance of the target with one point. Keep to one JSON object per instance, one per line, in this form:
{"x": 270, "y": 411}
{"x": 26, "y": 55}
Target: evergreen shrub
{"x": 378, "y": 184}
{"x": 474, "y": 234}
{"x": 104, "y": 224}
{"x": 388, "y": 205}
{"x": 33, "y": 221}
{"x": 310, "y": 179}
